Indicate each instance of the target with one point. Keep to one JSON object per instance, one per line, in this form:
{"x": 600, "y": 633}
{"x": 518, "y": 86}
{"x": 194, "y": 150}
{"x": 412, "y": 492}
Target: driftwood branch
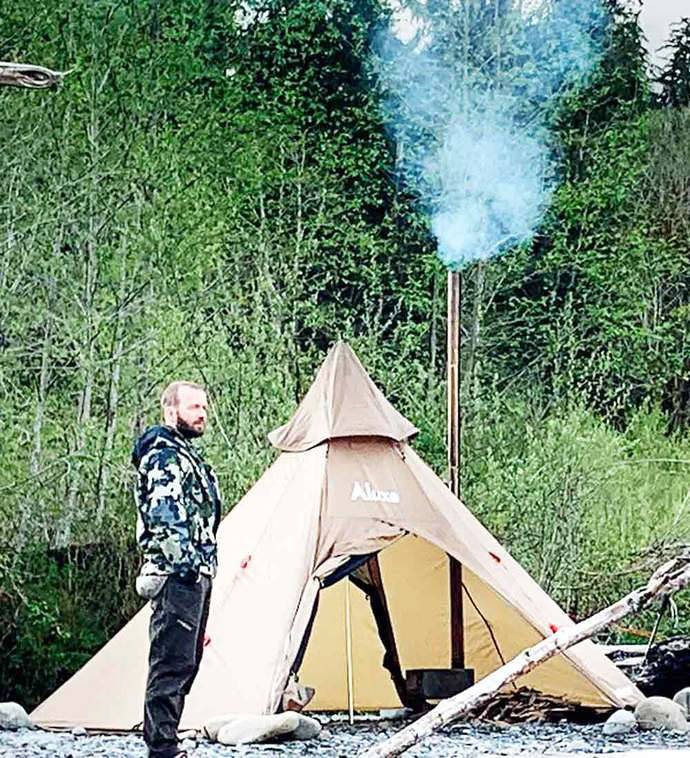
{"x": 668, "y": 579}
{"x": 31, "y": 77}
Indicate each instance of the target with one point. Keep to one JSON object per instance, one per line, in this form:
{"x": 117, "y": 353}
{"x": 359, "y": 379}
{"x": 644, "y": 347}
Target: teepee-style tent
{"x": 347, "y": 496}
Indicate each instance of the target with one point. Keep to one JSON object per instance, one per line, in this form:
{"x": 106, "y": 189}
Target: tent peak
{"x": 343, "y": 401}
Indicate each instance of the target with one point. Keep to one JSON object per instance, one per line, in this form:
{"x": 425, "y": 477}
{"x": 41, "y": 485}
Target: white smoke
{"x": 475, "y": 147}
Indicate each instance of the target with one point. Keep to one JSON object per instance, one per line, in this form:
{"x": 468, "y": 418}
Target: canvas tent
{"x": 347, "y": 495}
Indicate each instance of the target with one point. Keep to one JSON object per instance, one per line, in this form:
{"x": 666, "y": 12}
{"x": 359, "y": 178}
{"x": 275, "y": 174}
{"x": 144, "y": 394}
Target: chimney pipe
{"x": 453, "y": 362}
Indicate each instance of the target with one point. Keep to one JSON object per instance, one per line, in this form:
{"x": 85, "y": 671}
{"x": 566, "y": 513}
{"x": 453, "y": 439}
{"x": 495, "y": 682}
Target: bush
{"x": 68, "y": 605}
{"x": 577, "y": 502}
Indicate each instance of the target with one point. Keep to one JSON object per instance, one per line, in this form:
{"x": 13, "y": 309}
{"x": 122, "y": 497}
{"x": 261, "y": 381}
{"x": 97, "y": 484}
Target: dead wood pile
{"x": 526, "y": 705}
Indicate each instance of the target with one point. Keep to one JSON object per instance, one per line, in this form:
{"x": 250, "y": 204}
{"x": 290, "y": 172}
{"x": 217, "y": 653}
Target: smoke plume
{"x": 468, "y": 102}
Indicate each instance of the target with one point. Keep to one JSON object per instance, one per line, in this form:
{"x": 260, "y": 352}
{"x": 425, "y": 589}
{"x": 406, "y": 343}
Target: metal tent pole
{"x": 348, "y": 651}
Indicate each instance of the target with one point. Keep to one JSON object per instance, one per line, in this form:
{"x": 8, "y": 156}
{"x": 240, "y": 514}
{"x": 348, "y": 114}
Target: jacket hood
{"x": 156, "y": 436}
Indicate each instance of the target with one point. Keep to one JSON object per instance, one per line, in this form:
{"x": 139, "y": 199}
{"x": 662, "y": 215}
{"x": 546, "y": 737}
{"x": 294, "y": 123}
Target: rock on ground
{"x": 664, "y": 671}
{"x": 239, "y": 730}
{"x": 13, "y": 716}
{"x": 682, "y": 697}
{"x": 619, "y": 722}
{"x": 661, "y": 713}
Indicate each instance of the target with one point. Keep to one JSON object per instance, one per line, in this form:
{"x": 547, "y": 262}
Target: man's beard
{"x": 187, "y": 431}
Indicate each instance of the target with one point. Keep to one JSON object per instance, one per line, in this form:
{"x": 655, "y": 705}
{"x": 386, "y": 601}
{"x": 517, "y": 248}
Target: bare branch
{"x": 28, "y": 76}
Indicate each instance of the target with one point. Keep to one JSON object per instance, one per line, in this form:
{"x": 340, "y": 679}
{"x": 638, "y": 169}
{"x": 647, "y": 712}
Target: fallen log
{"x": 28, "y": 76}
{"x": 667, "y": 579}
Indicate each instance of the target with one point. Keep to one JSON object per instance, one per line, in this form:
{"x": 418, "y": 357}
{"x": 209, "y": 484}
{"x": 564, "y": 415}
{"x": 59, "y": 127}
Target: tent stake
{"x": 669, "y": 578}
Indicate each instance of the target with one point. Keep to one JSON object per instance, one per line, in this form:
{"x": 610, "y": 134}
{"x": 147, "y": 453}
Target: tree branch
{"x": 28, "y": 76}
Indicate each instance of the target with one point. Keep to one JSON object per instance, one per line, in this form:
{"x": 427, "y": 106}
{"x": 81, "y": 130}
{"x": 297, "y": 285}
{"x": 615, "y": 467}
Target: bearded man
{"x": 178, "y": 507}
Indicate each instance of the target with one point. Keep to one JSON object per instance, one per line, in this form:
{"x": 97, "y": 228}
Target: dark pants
{"x": 176, "y": 633}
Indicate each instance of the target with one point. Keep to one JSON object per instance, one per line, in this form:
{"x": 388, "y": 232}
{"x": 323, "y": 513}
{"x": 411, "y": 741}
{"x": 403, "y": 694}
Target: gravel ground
{"x": 340, "y": 740}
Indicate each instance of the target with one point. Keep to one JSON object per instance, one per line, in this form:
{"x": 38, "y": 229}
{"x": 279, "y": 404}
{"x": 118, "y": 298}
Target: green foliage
{"x": 674, "y": 77}
{"x": 209, "y": 195}
{"x": 619, "y": 84}
{"x": 72, "y": 602}
{"x": 598, "y": 306}
{"x": 201, "y": 199}
{"x": 576, "y": 501}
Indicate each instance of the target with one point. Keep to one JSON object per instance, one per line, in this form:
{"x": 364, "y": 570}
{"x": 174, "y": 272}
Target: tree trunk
{"x": 671, "y": 577}
{"x": 111, "y": 421}
{"x": 87, "y": 304}
{"x": 35, "y": 461}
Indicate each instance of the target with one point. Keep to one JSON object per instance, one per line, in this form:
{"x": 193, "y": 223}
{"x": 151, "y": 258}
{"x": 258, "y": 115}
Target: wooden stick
{"x": 669, "y": 578}
{"x": 26, "y": 75}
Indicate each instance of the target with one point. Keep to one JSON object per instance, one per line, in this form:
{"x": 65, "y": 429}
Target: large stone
{"x": 213, "y": 726}
{"x": 394, "y": 714}
{"x": 661, "y": 713}
{"x": 665, "y": 670}
{"x": 682, "y": 697}
{"x": 240, "y": 729}
{"x": 13, "y": 716}
{"x": 246, "y": 729}
{"x": 619, "y": 722}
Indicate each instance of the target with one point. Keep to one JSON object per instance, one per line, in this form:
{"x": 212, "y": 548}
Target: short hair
{"x": 170, "y": 395}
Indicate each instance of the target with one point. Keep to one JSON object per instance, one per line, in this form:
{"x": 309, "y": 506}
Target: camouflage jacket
{"x": 178, "y": 505}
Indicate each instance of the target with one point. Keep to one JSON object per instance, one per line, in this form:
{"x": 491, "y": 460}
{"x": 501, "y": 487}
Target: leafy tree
{"x": 212, "y": 194}
{"x": 675, "y": 75}
{"x": 163, "y": 218}
{"x": 561, "y": 308}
